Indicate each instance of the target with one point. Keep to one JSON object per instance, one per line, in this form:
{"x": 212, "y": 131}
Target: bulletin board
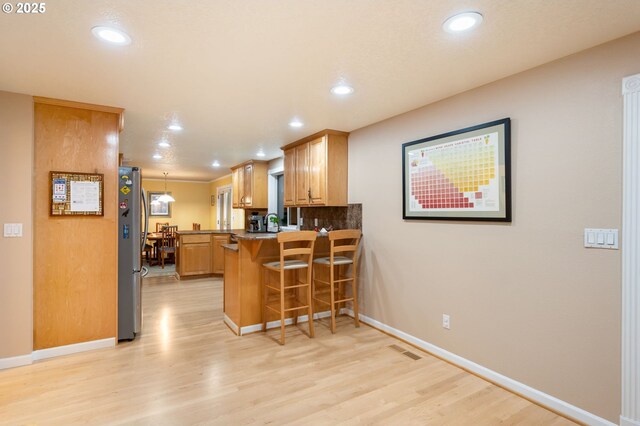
{"x": 76, "y": 194}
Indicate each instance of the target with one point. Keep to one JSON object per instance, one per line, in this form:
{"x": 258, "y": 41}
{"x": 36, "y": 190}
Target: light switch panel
{"x": 12, "y": 230}
{"x": 601, "y": 238}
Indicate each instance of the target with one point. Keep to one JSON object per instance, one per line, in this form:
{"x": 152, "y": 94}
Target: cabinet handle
{"x": 309, "y": 193}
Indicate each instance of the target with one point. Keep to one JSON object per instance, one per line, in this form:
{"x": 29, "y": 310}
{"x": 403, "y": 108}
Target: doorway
{"x": 224, "y": 208}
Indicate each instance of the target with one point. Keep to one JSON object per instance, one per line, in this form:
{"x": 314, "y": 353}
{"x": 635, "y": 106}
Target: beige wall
{"x": 16, "y": 254}
{"x": 525, "y": 299}
{"x": 192, "y": 204}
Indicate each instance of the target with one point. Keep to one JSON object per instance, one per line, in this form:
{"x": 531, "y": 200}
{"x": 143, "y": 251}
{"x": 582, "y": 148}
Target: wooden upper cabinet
{"x": 235, "y": 188}
{"x": 290, "y": 178}
{"x": 301, "y": 172}
{"x": 247, "y": 201}
{"x": 249, "y": 185}
{"x": 318, "y": 171}
{"x": 315, "y": 170}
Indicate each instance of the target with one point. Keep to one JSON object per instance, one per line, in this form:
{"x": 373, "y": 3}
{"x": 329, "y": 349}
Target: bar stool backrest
{"x": 344, "y": 242}
{"x": 297, "y": 243}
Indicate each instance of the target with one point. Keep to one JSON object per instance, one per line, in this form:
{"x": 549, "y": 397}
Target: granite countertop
{"x": 244, "y": 235}
{"x": 210, "y": 231}
{"x": 241, "y": 234}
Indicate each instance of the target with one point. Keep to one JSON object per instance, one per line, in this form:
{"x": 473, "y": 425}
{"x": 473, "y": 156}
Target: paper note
{"x": 85, "y": 196}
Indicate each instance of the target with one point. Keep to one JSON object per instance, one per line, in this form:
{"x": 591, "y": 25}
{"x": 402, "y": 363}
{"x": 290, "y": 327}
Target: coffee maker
{"x": 256, "y": 223}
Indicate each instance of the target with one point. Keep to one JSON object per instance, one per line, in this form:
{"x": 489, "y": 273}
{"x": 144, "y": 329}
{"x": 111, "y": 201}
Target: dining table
{"x": 154, "y": 238}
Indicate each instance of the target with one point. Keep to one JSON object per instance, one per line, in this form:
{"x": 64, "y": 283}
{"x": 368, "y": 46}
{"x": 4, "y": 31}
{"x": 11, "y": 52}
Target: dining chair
{"x": 159, "y": 226}
{"x": 167, "y": 244}
{"x": 296, "y": 254}
{"x": 343, "y": 253}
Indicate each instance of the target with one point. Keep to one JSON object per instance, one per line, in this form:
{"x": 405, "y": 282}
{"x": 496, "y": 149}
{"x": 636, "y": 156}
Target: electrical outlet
{"x": 446, "y": 321}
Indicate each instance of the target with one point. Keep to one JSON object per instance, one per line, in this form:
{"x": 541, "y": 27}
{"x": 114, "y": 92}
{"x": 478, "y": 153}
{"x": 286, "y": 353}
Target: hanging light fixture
{"x": 165, "y": 198}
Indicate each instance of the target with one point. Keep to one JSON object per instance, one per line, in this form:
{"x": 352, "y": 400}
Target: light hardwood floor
{"x": 189, "y": 368}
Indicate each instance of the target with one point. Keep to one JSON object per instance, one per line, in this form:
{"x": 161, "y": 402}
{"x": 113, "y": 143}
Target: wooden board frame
{"x": 63, "y": 209}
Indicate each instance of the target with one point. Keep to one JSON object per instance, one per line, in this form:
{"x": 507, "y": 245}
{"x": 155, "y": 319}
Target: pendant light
{"x": 165, "y": 198}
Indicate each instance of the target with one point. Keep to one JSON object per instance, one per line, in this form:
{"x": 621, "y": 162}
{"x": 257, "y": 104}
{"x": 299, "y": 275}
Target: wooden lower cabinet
{"x": 200, "y": 254}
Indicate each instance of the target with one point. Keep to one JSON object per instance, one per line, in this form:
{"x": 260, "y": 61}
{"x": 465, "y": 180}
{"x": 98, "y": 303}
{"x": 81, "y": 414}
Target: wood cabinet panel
{"x": 318, "y": 171}
{"x": 247, "y": 176}
{"x": 195, "y": 259}
{"x": 235, "y": 188}
{"x": 302, "y": 174}
{"x": 290, "y": 178}
{"x": 218, "y": 253}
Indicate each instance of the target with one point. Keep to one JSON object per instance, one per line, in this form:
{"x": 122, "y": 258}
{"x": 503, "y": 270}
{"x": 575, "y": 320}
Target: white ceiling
{"x": 235, "y": 72}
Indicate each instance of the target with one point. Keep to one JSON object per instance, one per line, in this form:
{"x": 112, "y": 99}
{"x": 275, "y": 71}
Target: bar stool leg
{"x": 265, "y": 297}
{"x": 332, "y": 298}
{"x": 312, "y": 331}
{"x": 282, "y": 305}
{"x": 354, "y": 291}
{"x": 296, "y": 294}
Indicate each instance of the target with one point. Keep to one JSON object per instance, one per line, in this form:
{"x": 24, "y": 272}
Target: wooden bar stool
{"x": 296, "y": 253}
{"x": 343, "y": 252}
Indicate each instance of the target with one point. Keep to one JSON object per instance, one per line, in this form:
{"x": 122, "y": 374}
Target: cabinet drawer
{"x": 196, "y": 238}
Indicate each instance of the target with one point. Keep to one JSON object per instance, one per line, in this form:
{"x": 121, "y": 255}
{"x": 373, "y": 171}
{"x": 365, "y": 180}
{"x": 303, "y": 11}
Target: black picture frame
{"x": 162, "y": 209}
{"x": 460, "y": 175}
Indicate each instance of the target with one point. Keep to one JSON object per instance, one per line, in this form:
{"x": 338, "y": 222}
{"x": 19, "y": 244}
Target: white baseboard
{"x": 16, "y": 361}
{"x": 72, "y": 349}
{"x": 232, "y": 325}
{"x": 21, "y": 360}
{"x": 288, "y": 321}
{"x": 624, "y": 421}
{"x": 519, "y": 388}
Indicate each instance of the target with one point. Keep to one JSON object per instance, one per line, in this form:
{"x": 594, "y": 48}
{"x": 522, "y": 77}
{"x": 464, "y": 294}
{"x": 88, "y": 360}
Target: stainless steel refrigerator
{"x": 133, "y": 219}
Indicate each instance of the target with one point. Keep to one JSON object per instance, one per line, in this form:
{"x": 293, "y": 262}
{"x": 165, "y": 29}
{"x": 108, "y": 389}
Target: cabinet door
{"x": 302, "y": 174}
{"x": 318, "y": 171}
{"x": 195, "y": 259}
{"x": 290, "y": 177}
{"x": 235, "y": 188}
{"x": 247, "y": 200}
{"x": 218, "y": 253}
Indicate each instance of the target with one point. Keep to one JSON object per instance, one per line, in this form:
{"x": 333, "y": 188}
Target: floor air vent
{"x": 411, "y": 355}
{"x": 405, "y": 352}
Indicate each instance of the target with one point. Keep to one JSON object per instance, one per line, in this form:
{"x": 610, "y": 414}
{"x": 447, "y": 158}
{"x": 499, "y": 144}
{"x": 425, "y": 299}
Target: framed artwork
{"x": 158, "y": 208}
{"x": 76, "y": 194}
{"x": 460, "y": 175}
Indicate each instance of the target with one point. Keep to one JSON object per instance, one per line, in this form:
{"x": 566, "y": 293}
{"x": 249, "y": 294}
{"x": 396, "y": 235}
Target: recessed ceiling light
{"x": 157, "y": 156}
{"x": 260, "y": 153}
{"x": 462, "y": 22}
{"x": 342, "y": 89}
{"x": 216, "y": 164}
{"x": 174, "y": 126}
{"x": 111, "y": 35}
{"x": 295, "y": 123}
{"x": 164, "y": 144}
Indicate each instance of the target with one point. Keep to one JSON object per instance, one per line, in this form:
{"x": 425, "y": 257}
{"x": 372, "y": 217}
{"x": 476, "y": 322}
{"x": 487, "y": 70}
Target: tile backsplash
{"x": 349, "y": 217}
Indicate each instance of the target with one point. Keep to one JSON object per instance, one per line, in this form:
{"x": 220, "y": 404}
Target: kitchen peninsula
{"x": 243, "y": 275}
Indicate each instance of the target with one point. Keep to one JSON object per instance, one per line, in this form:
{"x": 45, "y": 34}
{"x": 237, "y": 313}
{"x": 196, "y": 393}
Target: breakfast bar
{"x": 243, "y": 275}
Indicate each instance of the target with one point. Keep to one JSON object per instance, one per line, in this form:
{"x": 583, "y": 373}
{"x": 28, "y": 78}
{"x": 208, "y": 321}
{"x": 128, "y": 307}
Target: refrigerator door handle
{"x": 146, "y": 219}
